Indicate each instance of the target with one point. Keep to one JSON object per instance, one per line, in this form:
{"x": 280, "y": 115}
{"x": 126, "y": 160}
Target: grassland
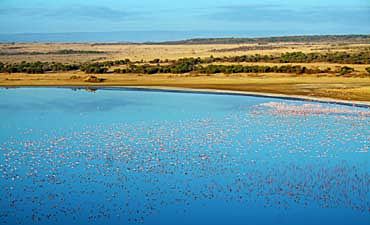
{"x": 354, "y": 86}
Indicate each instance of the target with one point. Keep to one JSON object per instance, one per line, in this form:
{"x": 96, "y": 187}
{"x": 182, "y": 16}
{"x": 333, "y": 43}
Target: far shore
{"x": 339, "y": 90}
{"x": 336, "y": 77}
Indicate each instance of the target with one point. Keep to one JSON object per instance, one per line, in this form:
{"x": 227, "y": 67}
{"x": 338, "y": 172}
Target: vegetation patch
{"x": 305, "y": 38}
{"x": 94, "y": 79}
{"x": 202, "y": 65}
{"x": 368, "y": 70}
{"x": 59, "y": 52}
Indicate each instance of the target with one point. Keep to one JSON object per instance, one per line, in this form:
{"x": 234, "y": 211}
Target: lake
{"x": 126, "y": 156}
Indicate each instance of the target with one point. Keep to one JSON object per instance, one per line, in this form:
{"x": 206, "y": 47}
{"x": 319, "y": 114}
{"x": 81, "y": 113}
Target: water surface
{"x": 146, "y": 157}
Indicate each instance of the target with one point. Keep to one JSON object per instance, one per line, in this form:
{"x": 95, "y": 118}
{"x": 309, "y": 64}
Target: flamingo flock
{"x": 281, "y": 155}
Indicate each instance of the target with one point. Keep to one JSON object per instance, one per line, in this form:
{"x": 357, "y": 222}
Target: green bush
{"x": 346, "y": 70}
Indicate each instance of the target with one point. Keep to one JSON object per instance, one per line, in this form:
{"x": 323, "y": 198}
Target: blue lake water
{"x": 128, "y": 156}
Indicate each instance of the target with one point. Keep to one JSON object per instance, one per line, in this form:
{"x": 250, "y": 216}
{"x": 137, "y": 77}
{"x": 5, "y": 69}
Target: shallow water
{"x": 145, "y": 157}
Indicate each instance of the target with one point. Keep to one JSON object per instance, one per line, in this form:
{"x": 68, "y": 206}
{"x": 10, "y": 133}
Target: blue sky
{"x": 297, "y": 17}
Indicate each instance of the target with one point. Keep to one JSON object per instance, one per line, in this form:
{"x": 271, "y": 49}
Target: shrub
{"x": 368, "y": 70}
{"x": 346, "y": 70}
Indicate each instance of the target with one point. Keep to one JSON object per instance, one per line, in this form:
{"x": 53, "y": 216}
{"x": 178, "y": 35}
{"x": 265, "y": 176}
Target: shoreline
{"x": 257, "y": 94}
{"x": 362, "y": 104}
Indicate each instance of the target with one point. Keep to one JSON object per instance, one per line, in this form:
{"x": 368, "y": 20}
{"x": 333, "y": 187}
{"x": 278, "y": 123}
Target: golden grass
{"x": 356, "y": 87}
{"x": 150, "y": 52}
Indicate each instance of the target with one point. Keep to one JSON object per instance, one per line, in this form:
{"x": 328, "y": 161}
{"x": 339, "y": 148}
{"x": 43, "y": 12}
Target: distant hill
{"x": 313, "y": 38}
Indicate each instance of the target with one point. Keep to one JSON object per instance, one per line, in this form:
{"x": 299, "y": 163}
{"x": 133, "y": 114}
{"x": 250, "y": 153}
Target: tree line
{"x": 58, "y": 52}
{"x": 309, "y": 38}
{"x": 297, "y": 57}
{"x": 184, "y": 65}
{"x": 43, "y": 67}
{"x": 37, "y": 67}
{"x": 289, "y": 57}
{"x": 228, "y": 69}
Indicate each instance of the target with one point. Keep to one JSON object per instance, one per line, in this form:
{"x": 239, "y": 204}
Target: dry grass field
{"x": 137, "y": 52}
{"x": 354, "y": 87}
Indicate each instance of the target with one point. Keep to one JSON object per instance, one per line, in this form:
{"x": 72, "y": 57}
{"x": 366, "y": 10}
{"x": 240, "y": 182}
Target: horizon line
{"x": 168, "y": 40}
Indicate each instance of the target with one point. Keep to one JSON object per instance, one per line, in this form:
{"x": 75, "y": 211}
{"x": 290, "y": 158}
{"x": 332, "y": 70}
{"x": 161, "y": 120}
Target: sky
{"x": 270, "y": 16}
